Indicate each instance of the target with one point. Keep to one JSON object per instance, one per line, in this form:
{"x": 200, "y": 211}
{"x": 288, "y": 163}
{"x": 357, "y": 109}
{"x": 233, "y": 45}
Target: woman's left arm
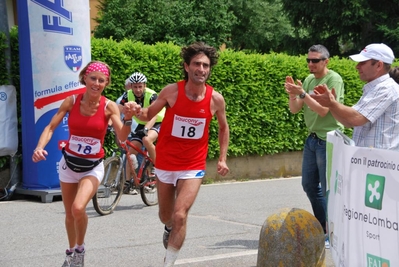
{"x": 121, "y": 130}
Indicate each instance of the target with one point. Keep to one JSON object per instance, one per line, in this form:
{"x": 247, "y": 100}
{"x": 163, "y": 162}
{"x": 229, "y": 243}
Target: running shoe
{"x": 68, "y": 258}
{"x": 78, "y": 259}
{"x": 134, "y": 192}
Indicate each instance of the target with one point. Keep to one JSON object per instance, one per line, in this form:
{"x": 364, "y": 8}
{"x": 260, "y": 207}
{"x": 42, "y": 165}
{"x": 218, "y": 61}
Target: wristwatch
{"x": 302, "y": 96}
{"x": 127, "y": 122}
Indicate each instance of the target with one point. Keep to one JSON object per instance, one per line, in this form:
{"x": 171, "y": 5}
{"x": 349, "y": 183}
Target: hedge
{"x": 252, "y": 85}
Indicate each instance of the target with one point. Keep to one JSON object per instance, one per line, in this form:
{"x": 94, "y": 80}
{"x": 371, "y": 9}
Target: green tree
{"x": 344, "y": 26}
{"x": 140, "y": 20}
{"x": 179, "y": 21}
{"x": 210, "y": 21}
{"x": 251, "y": 25}
{"x": 262, "y": 27}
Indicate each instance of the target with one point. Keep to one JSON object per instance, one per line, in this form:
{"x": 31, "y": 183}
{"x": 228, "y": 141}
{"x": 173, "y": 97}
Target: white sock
{"x": 80, "y": 247}
{"x": 170, "y": 256}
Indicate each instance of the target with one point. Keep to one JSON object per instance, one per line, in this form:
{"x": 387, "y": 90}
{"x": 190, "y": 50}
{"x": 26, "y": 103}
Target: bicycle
{"x": 111, "y": 188}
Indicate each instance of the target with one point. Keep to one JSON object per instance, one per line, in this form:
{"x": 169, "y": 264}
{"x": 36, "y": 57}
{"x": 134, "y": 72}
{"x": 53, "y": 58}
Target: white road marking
{"x": 217, "y": 257}
{"x": 253, "y": 181}
{"x": 215, "y": 218}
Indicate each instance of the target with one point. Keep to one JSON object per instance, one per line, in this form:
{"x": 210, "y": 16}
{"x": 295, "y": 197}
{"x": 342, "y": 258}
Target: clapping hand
{"x": 323, "y": 95}
{"x": 292, "y": 88}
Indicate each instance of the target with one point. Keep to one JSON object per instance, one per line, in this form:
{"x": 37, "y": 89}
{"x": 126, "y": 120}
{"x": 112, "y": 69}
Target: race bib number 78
{"x": 188, "y": 128}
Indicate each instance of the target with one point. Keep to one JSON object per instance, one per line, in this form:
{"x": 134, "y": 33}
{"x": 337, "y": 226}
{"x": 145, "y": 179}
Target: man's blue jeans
{"x": 314, "y": 176}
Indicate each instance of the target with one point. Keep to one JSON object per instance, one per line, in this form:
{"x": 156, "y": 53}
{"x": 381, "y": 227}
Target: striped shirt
{"x": 379, "y": 104}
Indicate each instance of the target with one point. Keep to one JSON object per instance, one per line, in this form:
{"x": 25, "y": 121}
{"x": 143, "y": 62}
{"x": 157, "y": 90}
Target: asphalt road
{"x": 223, "y": 228}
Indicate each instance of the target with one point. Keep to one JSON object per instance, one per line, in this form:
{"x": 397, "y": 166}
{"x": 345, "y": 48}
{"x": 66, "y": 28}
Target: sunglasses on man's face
{"x": 314, "y": 60}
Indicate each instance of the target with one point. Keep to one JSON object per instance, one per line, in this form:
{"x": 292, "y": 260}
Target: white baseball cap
{"x": 375, "y": 51}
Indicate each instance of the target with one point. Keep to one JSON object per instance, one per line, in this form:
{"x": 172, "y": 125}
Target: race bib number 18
{"x": 84, "y": 145}
{"x": 188, "y": 128}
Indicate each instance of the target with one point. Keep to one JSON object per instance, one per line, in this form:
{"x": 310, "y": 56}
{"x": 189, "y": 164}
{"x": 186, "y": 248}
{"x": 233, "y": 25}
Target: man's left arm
{"x": 219, "y": 106}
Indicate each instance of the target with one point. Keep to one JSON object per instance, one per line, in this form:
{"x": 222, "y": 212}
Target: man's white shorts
{"x": 171, "y": 177}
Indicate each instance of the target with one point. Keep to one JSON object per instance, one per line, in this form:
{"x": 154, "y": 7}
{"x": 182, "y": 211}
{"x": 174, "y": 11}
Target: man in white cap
{"x": 375, "y": 117}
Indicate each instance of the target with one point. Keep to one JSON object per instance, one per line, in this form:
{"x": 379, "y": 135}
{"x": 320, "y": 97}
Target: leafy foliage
{"x": 262, "y": 26}
{"x": 344, "y": 25}
{"x": 12, "y": 75}
{"x": 252, "y": 86}
{"x": 4, "y": 79}
{"x": 251, "y": 25}
{"x": 201, "y": 20}
{"x": 152, "y": 21}
{"x": 140, "y": 20}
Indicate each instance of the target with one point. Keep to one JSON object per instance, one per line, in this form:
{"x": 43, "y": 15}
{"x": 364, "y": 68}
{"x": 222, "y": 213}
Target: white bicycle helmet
{"x": 137, "y": 77}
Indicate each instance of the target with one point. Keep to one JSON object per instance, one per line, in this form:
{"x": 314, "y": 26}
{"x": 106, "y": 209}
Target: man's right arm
{"x": 293, "y": 90}
{"x": 166, "y": 97}
{"x": 348, "y": 116}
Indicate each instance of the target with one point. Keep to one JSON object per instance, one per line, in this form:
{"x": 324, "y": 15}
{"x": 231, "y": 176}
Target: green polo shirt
{"x": 314, "y": 122}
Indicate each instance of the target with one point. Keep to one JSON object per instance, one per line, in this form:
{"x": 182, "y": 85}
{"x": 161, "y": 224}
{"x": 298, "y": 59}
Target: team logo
{"x": 375, "y": 185}
{"x": 73, "y": 57}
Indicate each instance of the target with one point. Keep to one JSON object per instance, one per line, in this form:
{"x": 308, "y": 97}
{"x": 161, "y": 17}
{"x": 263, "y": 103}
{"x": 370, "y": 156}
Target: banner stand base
{"x": 45, "y": 194}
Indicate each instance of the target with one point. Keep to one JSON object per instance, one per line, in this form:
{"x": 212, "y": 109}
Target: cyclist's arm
{"x": 218, "y": 107}
{"x": 39, "y": 153}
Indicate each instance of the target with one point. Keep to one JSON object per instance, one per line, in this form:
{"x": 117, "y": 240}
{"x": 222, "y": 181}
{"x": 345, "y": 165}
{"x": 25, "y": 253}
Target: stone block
{"x": 291, "y": 237}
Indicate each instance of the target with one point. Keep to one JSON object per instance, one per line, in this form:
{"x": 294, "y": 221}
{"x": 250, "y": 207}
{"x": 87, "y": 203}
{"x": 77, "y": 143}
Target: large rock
{"x": 291, "y": 238}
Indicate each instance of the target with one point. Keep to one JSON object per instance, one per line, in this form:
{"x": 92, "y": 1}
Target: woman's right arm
{"x": 40, "y": 153}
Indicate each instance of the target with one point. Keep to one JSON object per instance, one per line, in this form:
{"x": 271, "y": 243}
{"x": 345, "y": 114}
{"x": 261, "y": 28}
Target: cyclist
{"x": 146, "y": 132}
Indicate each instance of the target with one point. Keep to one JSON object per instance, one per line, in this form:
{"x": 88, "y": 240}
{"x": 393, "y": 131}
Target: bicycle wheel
{"x": 111, "y": 188}
{"x": 148, "y": 189}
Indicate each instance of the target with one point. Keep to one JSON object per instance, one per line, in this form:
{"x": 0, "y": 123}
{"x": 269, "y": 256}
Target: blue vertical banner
{"x": 54, "y": 44}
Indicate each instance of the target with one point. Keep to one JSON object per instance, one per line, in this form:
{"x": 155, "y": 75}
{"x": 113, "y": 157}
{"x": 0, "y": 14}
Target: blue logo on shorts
{"x": 73, "y": 57}
{"x": 200, "y": 174}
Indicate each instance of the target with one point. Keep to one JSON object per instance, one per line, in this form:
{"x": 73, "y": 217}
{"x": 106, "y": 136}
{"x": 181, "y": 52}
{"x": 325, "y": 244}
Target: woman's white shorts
{"x": 66, "y": 175}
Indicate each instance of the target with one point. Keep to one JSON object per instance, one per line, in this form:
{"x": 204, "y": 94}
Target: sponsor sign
{"x": 363, "y": 218}
{"x": 54, "y": 45}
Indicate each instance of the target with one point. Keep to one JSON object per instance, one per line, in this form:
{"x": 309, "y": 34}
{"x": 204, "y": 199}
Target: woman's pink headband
{"x": 96, "y": 66}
